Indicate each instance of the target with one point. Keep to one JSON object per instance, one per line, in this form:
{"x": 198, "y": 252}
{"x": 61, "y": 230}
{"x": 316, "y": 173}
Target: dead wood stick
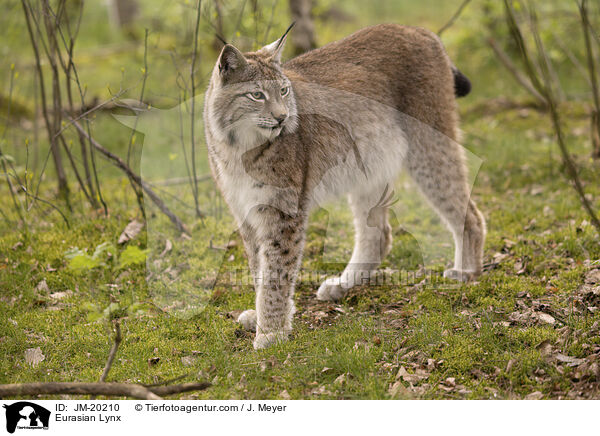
{"x": 105, "y": 389}
{"x": 135, "y": 178}
{"x": 454, "y": 17}
{"x": 177, "y": 389}
{"x": 113, "y": 351}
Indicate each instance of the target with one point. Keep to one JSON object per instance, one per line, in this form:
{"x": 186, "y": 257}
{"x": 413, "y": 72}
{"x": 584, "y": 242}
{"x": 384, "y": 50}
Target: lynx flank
{"x": 342, "y": 119}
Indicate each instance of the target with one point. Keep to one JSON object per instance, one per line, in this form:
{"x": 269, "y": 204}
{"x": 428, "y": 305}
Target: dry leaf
{"x": 537, "y": 395}
{"x": 544, "y": 317}
{"x": 168, "y": 247}
{"x": 285, "y": 395}
{"x": 131, "y": 231}
{"x": 60, "y": 295}
{"x": 569, "y": 360}
{"x": 340, "y": 380}
{"x": 544, "y": 347}
{"x": 33, "y": 356}
{"x": 397, "y": 388}
{"x": 42, "y": 286}
{"x": 510, "y": 364}
{"x": 188, "y": 360}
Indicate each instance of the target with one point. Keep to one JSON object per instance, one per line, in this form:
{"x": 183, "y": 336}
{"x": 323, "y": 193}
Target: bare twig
{"x": 113, "y": 350}
{"x": 105, "y": 389}
{"x": 544, "y": 87}
{"x": 136, "y": 178}
{"x": 512, "y": 69}
{"x": 163, "y": 391}
{"x": 3, "y": 159}
{"x": 591, "y": 64}
{"x": 63, "y": 187}
{"x": 454, "y": 17}
{"x": 139, "y": 195}
{"x": 192, "y": 111}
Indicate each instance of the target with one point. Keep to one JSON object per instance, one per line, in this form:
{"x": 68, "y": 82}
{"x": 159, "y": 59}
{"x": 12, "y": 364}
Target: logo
{"x": 26, "y": 415}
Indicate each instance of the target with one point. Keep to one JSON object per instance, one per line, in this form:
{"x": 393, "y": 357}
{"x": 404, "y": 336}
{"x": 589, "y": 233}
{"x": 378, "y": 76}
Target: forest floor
{"x": 528, "y": 328}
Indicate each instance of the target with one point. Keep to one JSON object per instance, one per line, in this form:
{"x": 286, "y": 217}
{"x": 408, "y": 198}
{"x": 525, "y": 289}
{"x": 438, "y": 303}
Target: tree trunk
{"x": 303, "y": 35}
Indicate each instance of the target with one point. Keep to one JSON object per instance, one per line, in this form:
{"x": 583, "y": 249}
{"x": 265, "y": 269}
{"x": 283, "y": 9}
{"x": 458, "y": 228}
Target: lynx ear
{"x": 275, "y": 49}
{"x": 230, "y": 60}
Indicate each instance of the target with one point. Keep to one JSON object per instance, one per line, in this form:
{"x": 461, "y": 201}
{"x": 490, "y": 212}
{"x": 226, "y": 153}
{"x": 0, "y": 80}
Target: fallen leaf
{"x": 420, "y": 374}
{"x": 544, "y": 347}
{"x": 544, "y": 317}
{"x": 537, "y": 395}
{"x": 285, "y": 395}
{"x": 397, "y": 388}
{"x": 42, "y": 286}
{"x": 188, "y": 360}
{"x": 33, "y": 356}
{"x": 131, "y": 231}
{"x": 60, "y": 295}
{"x": 569, "y": 360}
{"x": 510, "y": 364}
{"x": 168, "y": 247}
{"x": 340, "y": 380}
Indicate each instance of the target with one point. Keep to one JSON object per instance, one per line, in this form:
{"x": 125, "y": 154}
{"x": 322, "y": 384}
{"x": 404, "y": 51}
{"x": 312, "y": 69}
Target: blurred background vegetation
{"x": 124, "y": 49}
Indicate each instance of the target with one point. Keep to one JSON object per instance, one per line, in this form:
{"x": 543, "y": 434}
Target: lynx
{"x": 345, "y": 118}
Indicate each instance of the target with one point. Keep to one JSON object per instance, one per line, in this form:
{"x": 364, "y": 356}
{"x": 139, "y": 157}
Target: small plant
{"x": 105, "y": 256}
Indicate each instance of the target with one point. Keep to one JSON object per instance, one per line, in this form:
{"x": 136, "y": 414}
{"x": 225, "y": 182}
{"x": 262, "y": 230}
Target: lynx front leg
{"x": 373, "y": 239}
{"x": 281, "y": 240}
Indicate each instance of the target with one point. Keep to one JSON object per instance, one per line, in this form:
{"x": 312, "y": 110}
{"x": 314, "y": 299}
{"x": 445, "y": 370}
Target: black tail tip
{"x": 462, "y": 85}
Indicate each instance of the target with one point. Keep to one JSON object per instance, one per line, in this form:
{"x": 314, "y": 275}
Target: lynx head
{"x": 250, "y": 100}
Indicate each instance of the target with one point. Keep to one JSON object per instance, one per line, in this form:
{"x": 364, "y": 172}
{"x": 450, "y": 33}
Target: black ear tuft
{"x": 230, "y": 59}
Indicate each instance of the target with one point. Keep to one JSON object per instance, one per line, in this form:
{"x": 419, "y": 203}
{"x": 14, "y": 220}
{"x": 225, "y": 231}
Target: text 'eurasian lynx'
{"x": 345, "y": 118}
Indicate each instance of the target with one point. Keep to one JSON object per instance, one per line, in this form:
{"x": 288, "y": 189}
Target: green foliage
{"x": 132, "y": 255}
{"x": 104, "y": 256}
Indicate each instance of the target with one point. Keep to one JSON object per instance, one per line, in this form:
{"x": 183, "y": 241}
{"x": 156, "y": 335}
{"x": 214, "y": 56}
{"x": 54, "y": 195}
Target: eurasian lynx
{"x": 344, "y": 118}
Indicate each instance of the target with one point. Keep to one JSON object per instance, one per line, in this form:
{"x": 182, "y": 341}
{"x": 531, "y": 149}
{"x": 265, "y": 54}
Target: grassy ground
{"x": 529, "y": 328}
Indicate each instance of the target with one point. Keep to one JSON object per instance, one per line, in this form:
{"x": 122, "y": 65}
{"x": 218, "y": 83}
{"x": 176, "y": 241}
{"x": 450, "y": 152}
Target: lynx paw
{"x": 248, "y": 320}
{"x": 460, "y": 275}
{"x": 264, "y": 340}
{"x": 331, "y": 290}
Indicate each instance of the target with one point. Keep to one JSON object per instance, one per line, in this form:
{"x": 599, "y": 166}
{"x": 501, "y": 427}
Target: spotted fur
{"x": 342, "y": 119}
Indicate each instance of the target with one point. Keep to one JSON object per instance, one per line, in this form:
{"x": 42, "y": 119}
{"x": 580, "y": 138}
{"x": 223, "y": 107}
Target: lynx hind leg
{"x": 372, "y": 241}
{"x": 440, "y": 172}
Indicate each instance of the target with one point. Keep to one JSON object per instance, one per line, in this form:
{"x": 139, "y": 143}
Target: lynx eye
{"x": 256, "y": 96}
{"x": 285, "y": 91}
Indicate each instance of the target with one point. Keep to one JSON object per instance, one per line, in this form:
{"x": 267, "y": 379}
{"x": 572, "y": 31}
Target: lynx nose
{"x": 280, "y": 118}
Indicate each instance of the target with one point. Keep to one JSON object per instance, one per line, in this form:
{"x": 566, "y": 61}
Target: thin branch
{"x": 512, "y": 69}
{"x": 545, "y": 88}
{"x": 454, "y": 17}
{"x": 113, "y": 350}
{"x": 136, "y": 178}
{"x": 587, "y": 27}
{"x": 193, "y": 107}
{"x": 105, "y": 389}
